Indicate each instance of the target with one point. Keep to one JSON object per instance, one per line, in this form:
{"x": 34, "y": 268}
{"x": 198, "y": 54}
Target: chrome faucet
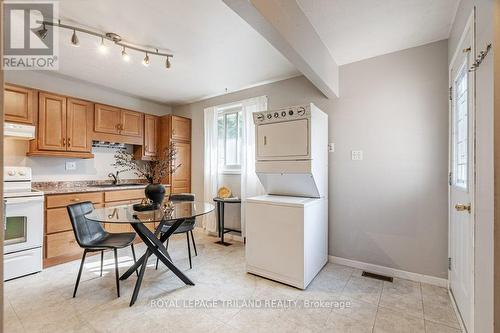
{"x": 115, "y": 177}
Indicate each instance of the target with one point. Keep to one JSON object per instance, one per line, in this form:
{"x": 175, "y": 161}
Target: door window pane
{"x": 461, "y": 129}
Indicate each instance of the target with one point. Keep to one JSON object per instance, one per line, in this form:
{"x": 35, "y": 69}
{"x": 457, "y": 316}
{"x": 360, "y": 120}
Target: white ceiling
{"x": 213, "y": 49}
{"x": 359, "y": 29}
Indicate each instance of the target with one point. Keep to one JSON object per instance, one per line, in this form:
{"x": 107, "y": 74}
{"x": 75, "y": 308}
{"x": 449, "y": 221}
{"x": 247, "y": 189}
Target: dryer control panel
{"x": 285, "y": 114}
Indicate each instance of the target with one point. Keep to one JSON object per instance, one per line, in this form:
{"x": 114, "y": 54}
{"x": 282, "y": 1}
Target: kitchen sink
{"x": 117, "y": 185}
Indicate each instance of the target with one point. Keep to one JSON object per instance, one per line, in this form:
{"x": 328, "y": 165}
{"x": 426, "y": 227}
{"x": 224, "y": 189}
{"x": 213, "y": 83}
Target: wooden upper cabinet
{"x": 181, "y": 178}
{"x": 18, "y": 104}
{"x": 78, "y": 125}
{"x": 151, "y": 124}
{"x": 107, "y": 119}
{"x": 181, "y": 128}
{"x": 51, "y": 122}
{"x": 131, "y": 123}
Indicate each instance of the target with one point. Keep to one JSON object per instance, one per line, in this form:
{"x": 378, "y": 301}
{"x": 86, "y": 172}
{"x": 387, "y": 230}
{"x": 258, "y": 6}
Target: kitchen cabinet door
{"x": 52, "y": 122}
{"x": 181, "y": 178}
{"x": 181, "y": 128}
{"x": 18, "y": 105}
{"x": 131, "y": 123}
{"x": 151, "y": 124}
{"x": 107, "y": 119}
{"x": 78, "y": 121}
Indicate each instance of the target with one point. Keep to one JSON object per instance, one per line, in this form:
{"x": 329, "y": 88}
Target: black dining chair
{"x": 92, "y": 237}
{"x": 186, "y": 227}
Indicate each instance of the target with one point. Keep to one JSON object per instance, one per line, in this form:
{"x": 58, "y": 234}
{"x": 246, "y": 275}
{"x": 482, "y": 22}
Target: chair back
{"x": 86, "y": 232}
{"x": 182, "y": 197}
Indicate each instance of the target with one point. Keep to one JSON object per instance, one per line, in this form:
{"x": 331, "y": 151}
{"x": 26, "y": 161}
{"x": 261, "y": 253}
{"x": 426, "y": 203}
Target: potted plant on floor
{"x": 153, "y": 171}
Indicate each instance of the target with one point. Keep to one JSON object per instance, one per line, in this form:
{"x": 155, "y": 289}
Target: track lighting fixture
{"x": 125, "y": 56}
{"x": 42, "y": 33}
{"x": 102, "y": 47}
{"x": 145, "y": 62}
{"x": 112, "y": 37}
{"x": 74, "y": 39}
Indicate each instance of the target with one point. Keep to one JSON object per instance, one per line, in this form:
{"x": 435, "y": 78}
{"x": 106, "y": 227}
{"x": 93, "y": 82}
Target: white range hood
{"x": 18, "y": 131}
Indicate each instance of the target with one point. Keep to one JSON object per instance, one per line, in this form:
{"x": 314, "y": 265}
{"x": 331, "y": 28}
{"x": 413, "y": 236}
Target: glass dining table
{"x": 169, "y": 217}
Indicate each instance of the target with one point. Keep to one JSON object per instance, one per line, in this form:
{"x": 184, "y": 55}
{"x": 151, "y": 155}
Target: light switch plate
{"x": 356, "y": 155}
{"x": 70, "y": 166}
{"x": 331, "y": 147}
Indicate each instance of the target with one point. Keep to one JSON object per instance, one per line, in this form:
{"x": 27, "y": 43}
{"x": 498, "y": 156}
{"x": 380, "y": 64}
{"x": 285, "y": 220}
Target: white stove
{"x": 23, "y": 224}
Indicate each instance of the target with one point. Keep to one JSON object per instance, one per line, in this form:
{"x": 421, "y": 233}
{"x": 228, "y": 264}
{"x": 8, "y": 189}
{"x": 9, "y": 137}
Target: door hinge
{"x": 449, "y": 264}
{"x": 450, "y": 178}
{"x": 451, "y": 94}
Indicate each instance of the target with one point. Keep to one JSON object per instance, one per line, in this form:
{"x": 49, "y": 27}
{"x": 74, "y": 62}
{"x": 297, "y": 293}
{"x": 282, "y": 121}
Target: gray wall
{"x": 51, "y": 168}
{"x": 484, "y": 196}
{"x": 53, "y": 82}
{"x": 391, "y": 208}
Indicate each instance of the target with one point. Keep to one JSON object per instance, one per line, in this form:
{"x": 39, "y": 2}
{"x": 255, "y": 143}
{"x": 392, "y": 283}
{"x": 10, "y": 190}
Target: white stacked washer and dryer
{"x": 287, "y": 229}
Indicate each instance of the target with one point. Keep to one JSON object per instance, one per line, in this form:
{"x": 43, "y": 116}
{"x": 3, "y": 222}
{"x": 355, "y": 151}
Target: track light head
{"x": 125, "y": 56}
{"x": 74, "y": 39}
{"x": 102, "y": 47}
{"x": 167, "y": 63}
{"x": 145, "y": 62}
{"x": 42, "y": 33}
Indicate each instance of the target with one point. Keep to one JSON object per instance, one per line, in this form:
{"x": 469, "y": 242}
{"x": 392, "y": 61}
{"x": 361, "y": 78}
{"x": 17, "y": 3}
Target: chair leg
{"x": 133, "y": 255}
{"x": 102, "y": 260}
{"x": 194, "y": 244}
{"x": 79, "y": 272}
{"x": 117, "y": 273}
{"x": 189, "y": 250}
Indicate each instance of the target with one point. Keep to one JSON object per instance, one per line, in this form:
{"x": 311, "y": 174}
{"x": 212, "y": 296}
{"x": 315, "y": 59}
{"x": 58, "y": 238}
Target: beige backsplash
{"x": 53, "y": 168}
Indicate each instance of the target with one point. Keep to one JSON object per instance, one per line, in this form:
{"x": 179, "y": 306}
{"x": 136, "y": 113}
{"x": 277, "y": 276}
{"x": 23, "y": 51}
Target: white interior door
{"x": 461, "y": 207}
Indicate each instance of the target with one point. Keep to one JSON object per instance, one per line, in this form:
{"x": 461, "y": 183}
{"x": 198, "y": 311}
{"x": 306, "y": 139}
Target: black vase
{"x": 155, "y": 193}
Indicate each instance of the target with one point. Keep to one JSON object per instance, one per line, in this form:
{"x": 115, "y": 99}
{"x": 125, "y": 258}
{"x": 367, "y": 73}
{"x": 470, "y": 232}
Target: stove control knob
{"x": 290, "y": 112}
{"x": 11, "y": 172}
{"x": 260, "y": 117}
{"x": 269, "y": 116}
{"x": 22, "y": 173}
{"x": 301, "y": 111}
{"x": 283, "y": 113}
{"x": 276, "y": 115}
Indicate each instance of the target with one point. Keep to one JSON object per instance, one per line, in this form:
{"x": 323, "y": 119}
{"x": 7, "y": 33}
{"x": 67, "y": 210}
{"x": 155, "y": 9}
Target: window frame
{"x": 236, "y": 108}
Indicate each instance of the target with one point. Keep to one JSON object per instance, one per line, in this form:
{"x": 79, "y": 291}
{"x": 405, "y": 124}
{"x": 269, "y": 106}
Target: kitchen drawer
{"x": 62, "y": 200}
{"x": 123, "y": 195}
{"x": 62, "y": 244}
{"x": 57, "y": 219}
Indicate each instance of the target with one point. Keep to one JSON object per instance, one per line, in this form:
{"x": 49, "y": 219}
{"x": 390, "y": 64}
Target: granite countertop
{"x": 64, "y": 187}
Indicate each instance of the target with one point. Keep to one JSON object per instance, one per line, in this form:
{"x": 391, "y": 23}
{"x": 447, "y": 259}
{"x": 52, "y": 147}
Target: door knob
{"x": 463, "y": 207}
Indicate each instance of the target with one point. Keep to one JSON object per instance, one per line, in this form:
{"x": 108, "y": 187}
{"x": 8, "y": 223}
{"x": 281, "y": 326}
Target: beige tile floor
{"x": 43, "y": 302}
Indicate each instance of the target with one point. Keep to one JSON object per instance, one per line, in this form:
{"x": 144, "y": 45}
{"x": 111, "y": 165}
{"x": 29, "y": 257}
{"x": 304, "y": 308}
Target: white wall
{"x": 391, "y": 208}
{"x": 56, "y": 83}
{"x": 484, "y": 200}
{"x": 51, "y": 168}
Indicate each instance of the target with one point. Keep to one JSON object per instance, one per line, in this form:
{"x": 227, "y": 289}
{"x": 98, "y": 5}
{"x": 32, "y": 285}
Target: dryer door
{"x": 286, "y": 140}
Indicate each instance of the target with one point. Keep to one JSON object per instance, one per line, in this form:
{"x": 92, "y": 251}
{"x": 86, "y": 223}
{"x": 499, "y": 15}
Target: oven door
{"x": 23, "y": 224}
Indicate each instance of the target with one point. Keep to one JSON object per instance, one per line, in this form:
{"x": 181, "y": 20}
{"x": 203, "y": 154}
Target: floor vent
{"x": 377, "y": 276}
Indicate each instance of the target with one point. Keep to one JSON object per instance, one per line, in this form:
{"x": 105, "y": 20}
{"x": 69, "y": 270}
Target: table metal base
{"x": 155, "y": 246}
{"x": 223, "y": 243}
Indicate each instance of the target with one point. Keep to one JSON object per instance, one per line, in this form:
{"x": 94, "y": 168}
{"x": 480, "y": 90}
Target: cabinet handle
{"x": 173, "y": 132}
{"x": 69, "y": 142}
{"x": 75, "y": 200}
{"x": 64, "y": 141}
{"x": 265, "y": 140}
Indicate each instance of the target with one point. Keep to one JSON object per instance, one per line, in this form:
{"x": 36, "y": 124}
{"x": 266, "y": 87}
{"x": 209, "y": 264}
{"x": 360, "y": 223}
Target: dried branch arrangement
{"x": 154, "y": 171}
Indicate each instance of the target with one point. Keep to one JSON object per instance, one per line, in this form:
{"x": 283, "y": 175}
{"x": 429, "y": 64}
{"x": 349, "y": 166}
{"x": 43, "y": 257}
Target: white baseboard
{"x": 440, "y": 282}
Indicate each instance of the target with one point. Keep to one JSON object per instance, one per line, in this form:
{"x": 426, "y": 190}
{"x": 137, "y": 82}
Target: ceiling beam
{"x": 283, "y": 24}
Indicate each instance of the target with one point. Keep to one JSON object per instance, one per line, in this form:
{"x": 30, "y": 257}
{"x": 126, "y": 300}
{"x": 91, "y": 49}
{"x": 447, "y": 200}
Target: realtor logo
{"x": 28, "y": 43}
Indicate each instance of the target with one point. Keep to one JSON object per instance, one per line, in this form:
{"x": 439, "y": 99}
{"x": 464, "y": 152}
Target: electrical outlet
{"x": 70, "y": 166}
{"x": 356, "y": 155}
{"x": 331, "y": 147}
